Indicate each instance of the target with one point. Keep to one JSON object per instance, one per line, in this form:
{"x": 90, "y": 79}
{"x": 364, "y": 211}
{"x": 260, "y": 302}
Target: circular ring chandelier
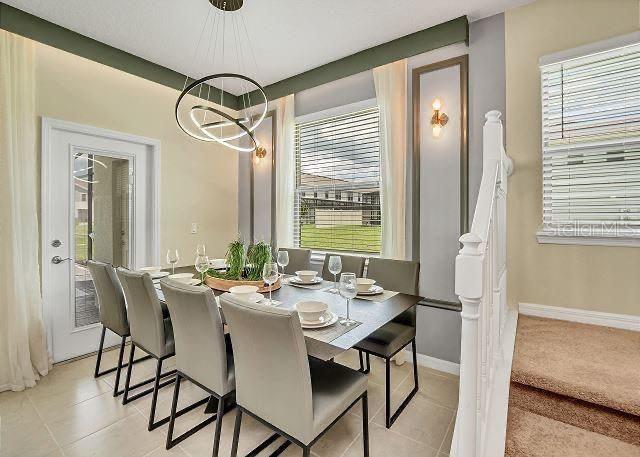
{"x": 200, "y": 111}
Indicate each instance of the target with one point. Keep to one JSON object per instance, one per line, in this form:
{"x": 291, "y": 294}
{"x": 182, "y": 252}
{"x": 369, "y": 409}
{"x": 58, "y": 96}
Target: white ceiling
{"x": 288, "y": 36}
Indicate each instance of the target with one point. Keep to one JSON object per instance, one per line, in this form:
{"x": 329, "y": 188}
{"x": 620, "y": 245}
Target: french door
{"x": 99, "y": 202}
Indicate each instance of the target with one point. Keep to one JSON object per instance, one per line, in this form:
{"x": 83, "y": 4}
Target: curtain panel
{"x": 285, "y": 170}
{"x": 391, "y": 94}
{"x": 23, "y": 352}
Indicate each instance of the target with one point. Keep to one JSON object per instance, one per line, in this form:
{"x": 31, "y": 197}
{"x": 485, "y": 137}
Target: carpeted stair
{"x": 575, "y": 390}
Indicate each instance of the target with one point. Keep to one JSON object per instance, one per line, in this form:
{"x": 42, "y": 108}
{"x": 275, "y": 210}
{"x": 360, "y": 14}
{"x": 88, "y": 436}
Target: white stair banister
{"x": 481, "y": 286}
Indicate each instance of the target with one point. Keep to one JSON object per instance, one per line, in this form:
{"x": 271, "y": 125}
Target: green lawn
{"x": 354, "y": 238}
{"x": 82, "y": 241}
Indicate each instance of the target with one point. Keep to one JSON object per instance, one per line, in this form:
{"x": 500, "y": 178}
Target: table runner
{"x": 330, "y": 333}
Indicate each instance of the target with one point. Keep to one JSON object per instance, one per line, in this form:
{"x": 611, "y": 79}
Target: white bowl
{"x": 218, "y": 263}
{"x": 311, "y": 311}
{"x": 150, "y": 270}
{"x": 184, "y": 278}
{"x": 306, "y": 275}
{"x": 364, "y": 284}
{"x": 243, "y": 292}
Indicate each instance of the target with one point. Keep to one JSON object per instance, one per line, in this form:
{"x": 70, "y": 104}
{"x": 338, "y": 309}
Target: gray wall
{"x": 438, "y": 329}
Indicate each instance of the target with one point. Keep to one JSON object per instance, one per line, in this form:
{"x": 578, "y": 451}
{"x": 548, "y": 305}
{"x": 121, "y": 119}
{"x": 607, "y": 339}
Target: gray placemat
{"x": 330, "y": 333}
{"x": 385, "y": 295}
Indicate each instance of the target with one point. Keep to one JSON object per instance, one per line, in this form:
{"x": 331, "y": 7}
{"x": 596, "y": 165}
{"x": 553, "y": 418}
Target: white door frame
{"x": 48, "y": 126}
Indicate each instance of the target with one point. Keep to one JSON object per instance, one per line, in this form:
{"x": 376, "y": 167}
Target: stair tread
{"x": 587, "y": 362}
{"x": 532, "y": 435}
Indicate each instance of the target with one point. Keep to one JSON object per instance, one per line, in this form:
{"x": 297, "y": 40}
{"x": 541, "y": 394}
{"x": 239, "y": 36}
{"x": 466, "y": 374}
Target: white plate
{"x": 373, "y": 290}
{"x": 255, "y": 298}
{"x": 194, "y": 282}
{"x": 330, "y": 321}
{"x": 297, "y": 280}
{"x": 159, "y": 274}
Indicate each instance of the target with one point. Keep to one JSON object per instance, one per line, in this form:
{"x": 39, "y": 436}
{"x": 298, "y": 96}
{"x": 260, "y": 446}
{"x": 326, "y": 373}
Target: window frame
{"x": 318, "y": 255}
{"x": 579, "y": 233}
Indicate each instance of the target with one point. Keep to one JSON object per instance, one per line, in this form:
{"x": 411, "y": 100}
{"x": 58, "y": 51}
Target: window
{"x": 591, "y": 146}
{"x": 338, "y": 156}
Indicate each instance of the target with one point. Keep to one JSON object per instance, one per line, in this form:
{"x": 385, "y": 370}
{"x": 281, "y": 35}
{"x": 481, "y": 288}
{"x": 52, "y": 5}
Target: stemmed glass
{"x": 270, "y": 275}
{"x": 283, "y": 259}
{"x": 348, "y": 291}
{"x": 172, "y": 258}
{"x": 201, "y": 249}
{"x": 335, "y": 267}
{"x": 202, "y": 265}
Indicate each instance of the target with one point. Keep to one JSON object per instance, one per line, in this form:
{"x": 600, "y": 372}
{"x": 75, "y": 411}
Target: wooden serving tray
{"x": 226, "y": 284}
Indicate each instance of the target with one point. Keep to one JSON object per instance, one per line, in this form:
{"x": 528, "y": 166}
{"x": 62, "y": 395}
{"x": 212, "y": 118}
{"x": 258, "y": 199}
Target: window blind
{"x": 337, "y": 196}
{"x": 591, "y": 142}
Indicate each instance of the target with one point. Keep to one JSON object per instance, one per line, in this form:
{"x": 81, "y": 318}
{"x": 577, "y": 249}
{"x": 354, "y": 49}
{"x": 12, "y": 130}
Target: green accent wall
{"x": 27, "y": 25}
{"x": 35, "y": 28}
{"x": 438, "y": 36}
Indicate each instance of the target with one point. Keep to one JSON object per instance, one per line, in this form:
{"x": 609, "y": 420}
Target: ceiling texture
{"x": 286, "y": 37}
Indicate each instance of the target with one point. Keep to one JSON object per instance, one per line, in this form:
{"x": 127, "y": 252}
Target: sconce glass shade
{"x": 437, "y": 104}
{"x": 437, "y": 129}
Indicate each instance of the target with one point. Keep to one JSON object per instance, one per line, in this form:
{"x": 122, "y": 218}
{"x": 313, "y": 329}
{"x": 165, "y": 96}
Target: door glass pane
{"x": 102, "y": 193}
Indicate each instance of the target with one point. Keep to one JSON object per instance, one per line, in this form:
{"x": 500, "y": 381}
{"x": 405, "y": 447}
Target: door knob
{"x": 57, "y": 259}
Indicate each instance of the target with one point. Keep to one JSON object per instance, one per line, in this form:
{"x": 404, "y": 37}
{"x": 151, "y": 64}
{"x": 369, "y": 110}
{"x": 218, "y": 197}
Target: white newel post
{"x": 469, "y": 289}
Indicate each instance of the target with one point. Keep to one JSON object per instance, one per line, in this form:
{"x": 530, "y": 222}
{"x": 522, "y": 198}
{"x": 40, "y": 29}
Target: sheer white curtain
{"x": 285, "y": 170}
{"x": 23, "y": 353}
{"x": 391, "y": 94}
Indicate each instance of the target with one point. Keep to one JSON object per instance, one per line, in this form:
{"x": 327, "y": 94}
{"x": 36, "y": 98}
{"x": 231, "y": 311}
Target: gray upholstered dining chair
{"x": 299, "y": 259}
{"x": 350, "y": 263}
{"x": 113, "y": 316}
{"x": 278, "y": 385}
{"x": 151, "y": 331}
{"x": 203, "y": 354}
{"x": 400, "y": 276}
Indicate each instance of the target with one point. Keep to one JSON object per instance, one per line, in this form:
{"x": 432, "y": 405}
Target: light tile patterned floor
{"x": 69, "y": 413}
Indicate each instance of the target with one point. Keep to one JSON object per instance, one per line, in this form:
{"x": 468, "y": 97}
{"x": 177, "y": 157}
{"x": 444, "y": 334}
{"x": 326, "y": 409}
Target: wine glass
{"x": 270, "y": 274}
{"x": 335, "y": 267}
{"x": 283, "y": 259}
{"x": 201, "y": 249}
{"x": 202, "y": 265}
{"x": 172, "y": 258}
{"x": 348, "y": 290}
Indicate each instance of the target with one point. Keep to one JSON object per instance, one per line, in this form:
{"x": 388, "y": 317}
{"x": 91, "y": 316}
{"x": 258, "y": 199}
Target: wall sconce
{"x": 438, "y": 120}
{"x": 260, "y": 153}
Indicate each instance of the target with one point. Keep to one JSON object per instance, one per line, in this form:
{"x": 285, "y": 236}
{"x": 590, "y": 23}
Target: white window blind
{"x": 591, "y": 143}
{"x": 338, "y": 183}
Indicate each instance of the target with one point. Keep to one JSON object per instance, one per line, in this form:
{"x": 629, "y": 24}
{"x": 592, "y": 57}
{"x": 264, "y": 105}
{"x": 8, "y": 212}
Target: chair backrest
{"x": 113, "y": 308}
{"x": 271, "y": 363}
{"x": 145, "y": 313}
{"x": 299, "y": 259}
{"x": 350, "y": 264}
{"x": 399, "y": 275}
{"x": 198, "y": 334}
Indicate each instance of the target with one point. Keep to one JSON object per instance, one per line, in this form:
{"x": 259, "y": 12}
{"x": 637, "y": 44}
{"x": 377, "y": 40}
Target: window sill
{"x": 318, "y": 256}
{"x": 570, "y": 237}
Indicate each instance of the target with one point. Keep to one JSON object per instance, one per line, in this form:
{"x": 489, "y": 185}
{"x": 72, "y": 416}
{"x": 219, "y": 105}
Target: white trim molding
{"x": 433, "y": 363}
{"x": 583, "y": 316}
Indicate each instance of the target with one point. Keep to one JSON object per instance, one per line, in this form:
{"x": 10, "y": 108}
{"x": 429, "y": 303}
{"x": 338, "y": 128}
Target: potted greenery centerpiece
{"x": 244, "y": 267}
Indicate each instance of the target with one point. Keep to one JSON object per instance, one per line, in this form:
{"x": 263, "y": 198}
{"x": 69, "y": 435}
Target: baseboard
{"x": 583, "y": 316}
{"x": 435, "y": 364}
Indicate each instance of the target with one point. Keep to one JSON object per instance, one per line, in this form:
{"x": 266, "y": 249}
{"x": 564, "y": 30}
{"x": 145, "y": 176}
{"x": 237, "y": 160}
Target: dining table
{"x": 370, "y": 314}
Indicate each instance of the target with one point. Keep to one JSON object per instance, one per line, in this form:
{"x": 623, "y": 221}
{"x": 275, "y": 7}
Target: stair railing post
{"x": 469, "y": 278}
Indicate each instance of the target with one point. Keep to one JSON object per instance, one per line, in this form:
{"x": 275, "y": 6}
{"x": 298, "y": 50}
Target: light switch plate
{"x": 194, "y": 227}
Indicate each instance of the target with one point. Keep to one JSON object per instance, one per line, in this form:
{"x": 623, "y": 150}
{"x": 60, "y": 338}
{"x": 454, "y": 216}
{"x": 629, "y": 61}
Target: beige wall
{"x": 587, "y": 277}
{"x": 199, "y": 181}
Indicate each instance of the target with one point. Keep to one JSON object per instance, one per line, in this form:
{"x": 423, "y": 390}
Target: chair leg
{"x": 172, "y": 416}
{"x": 306, "y": 451}
{"x": 405, "y": 402}
{"x": 361, "y": 361}
{"x": 387, "y": 405}
{"x": 415, "y": 363}
{"x": 119, "y": 367}
{"x": 96, "y": 373}
{"x": 154, "y": 398}
{"x": 365, "y": 424}
{"x": 216, "y": 436}
{"x": 127, "y": 381}
{"x": 236, "y": 433}
{"x": 368, "y": 369}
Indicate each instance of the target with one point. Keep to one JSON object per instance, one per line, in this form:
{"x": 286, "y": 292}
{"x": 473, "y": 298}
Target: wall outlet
{"x": 194, "y": 227}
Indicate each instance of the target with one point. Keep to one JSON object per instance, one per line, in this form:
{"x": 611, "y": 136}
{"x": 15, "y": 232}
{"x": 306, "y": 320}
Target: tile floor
{"x": 69, "y": 413}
